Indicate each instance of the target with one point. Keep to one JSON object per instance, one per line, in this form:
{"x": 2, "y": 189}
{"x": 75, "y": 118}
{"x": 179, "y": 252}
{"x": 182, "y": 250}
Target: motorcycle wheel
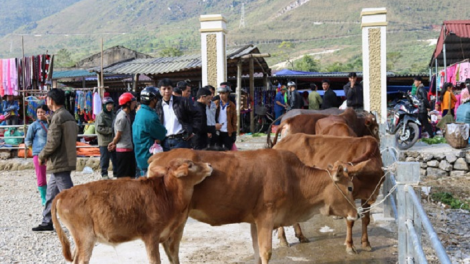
{"x": 408, "y": 138}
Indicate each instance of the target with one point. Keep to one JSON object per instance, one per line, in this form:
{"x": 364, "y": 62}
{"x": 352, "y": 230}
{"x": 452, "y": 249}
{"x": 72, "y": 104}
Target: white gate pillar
{"x": 213, "y": 46}
{"x": 374, "y": 60}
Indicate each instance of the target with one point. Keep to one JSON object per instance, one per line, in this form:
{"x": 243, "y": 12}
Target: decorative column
{"x": 374, "y": 60}
{"x": 214, "y": 59}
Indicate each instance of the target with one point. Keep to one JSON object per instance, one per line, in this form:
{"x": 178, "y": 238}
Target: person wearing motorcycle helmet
{"x": 424, "y": 106}
{"x": 122, "y": 141}
{"x": 147, "y": 128}
{"x": 104, "y": 129}
{"x": 293, "y": 97}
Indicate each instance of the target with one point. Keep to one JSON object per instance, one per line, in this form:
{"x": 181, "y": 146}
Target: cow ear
{"x": 358, "y": 168}
{"x": 156, "y": 171}
{"x": 339, "y": 172}
{"x": 181, "y": 167}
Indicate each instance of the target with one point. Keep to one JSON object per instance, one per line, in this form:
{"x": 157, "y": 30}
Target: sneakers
{"x": 43, "y": 227}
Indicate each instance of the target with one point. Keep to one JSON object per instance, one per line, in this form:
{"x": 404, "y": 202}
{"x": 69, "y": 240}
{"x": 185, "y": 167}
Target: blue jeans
{"x": 173, "y": 143}
{"x": 143, "y": 173}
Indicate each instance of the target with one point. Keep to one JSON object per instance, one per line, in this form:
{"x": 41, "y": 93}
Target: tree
{"x": 392, "y": 59}
{"x": 63, "y": 59}
{"x": 286, "y": 48}
{"x": 307, "y": 63}
{"x": 170, "y": 52}
{"x": 335, "y": 67}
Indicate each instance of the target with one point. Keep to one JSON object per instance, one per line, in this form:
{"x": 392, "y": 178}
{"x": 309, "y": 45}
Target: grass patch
{"x": 449, "y": 199}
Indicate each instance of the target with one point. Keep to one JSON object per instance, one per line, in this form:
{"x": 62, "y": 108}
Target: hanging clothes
{"x": 464, "y": 71}
{"x": 97, "y": 105}
{"x": 2, "y": 92}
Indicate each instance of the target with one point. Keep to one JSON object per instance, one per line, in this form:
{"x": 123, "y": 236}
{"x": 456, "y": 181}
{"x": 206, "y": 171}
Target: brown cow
{"x": 122, "y": 210}
{"x": 267, "y": 188}
{"x": 363, "y": 124}
{"x": 320, "y": 151}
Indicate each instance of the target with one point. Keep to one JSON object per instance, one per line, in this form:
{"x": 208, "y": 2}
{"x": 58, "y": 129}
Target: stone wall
{"x": 439, "y": 164}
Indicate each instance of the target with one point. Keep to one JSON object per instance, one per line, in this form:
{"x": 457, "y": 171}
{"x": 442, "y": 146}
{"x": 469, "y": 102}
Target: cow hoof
{"x": 303, "y": 240}
{"x": 366, "y": 248}
{"x": 284, "y": 243}
{"x": 351, "y": 251}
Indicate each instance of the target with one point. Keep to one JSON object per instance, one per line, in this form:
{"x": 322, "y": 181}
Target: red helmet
{"x": 126, "y": 98}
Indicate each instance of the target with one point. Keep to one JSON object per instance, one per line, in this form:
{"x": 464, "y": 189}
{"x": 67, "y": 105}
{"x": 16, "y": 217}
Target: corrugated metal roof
{"x": 338, "y": 75}
{"x": 72, "y": 74}
{"x": 455, "y": 35}
{"x": 155, "y": 66}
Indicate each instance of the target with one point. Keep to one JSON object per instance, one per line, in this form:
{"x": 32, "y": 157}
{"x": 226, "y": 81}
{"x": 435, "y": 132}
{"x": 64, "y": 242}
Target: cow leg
{"x": 299, "y": 234}
{"x": 265, "y": 239}
{"x": 281, "y": 234}
{"x": 254, "y": 241}
{"x": 151, "y": 245}
{"x": 350, "y": 249}
{"x": 172, "y": 245}
{"x": 365, "y": 223}
{"x": 84, "y": 244}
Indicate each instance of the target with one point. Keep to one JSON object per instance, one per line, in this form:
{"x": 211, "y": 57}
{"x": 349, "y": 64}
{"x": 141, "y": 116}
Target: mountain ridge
{"x": 150, "y": 26}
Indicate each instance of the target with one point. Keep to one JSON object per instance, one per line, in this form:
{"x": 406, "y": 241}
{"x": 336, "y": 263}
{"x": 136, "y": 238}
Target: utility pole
{"x": 242, "y": 17}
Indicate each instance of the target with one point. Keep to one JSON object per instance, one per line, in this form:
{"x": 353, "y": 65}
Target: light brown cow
{"x": 267, "y": 188}
{"x": 319, "y": 151}
{"x": 122, "y": 210}
{"x": 364, "y": 124}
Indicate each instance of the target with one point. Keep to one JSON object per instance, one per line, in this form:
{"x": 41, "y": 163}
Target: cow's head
{"x": 339, "y": 199}
{"x": 372, "y": 126}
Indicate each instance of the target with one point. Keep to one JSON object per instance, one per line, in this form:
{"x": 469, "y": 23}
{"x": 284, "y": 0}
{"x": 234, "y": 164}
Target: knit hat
{"x": 464, "y": 96}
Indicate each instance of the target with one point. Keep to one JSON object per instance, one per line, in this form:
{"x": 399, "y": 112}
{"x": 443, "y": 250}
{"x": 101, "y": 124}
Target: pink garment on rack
{"x": 1, "y": 78}
{"x": 5, "y": 76}
{"x": 464, "y": 71}
{"x": 13, "y": 77}
{"x": 450, "y": 71}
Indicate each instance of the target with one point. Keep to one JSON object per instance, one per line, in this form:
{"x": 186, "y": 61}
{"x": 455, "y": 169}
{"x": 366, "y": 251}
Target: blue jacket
{"x": 145, "y": 130}
{"x": 279, "y": 98}
{"x": 36, "y": 136}
{"x": 463, "y": 113}
{"x": 10, "y": 106}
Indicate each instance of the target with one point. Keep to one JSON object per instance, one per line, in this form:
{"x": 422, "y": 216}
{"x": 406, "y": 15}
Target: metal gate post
{"x": 407, "y": 174}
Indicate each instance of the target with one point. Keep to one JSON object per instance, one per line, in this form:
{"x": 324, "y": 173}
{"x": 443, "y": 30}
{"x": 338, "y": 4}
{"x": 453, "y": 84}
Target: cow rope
{"x": 359, "y": 210}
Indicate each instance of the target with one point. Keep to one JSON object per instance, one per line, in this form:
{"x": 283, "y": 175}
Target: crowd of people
{"x": 166, "y": 118}
{"x": 288, "y": 98}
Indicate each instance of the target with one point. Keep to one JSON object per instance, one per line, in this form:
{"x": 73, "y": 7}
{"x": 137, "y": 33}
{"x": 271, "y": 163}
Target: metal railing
{"x": 408, "y": 211}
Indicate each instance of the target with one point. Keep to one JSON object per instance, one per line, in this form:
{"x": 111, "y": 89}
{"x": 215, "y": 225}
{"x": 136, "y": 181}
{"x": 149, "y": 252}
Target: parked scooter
{"x": 404, "y": 122}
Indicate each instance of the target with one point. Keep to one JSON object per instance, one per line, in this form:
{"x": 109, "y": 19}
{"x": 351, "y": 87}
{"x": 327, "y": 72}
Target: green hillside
{"x": 311, "y": 27}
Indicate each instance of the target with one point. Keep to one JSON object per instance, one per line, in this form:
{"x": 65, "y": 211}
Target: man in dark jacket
{"x": 421, "y": 94}
{"x": 178, "y": 117}
{"x": 354, "y": 92}
{"x": 104, "y": 128}
{"x": 329, "y": 97}
{"x": 201, "y": 139}
{"x": 293, "y": 97}
{"x": 60, "y": 153}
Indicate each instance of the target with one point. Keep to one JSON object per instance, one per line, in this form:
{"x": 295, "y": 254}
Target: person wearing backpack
{"x": 36, "y": 138}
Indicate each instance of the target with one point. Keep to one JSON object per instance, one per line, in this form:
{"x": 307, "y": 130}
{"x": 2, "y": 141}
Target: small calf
{"x": 122, "y": 210}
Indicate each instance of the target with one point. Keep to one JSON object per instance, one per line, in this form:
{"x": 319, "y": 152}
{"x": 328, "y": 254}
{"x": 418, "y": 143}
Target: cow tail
{"x": 269, "y": 143}
{"x": 62, "y": 237}
{"x": 278, "y": 130}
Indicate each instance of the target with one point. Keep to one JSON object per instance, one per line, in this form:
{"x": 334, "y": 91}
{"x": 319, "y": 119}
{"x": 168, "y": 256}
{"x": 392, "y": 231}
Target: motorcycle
{"x": 404, "y": 122}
